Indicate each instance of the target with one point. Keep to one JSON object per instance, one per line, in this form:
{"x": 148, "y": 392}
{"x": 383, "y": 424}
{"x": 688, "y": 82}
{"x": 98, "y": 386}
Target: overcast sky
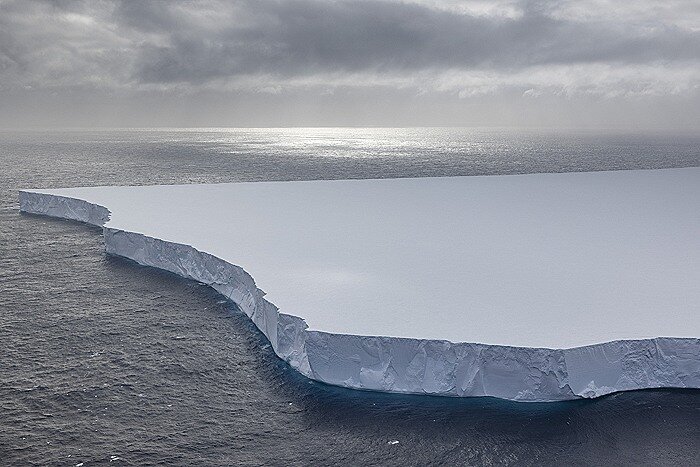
{"x": 579, "y": 63}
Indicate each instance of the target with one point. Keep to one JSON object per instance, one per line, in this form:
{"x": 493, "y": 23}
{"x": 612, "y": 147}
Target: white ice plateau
{"x": 536, "y": 287}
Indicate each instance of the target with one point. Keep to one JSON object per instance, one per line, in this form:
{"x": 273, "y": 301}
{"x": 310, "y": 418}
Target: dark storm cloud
{"x": 306, "y": 37}
{"x": 130, "y": 42}
{"x": 421, "y": 61}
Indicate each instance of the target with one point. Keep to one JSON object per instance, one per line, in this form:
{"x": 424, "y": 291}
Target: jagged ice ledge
{"x": 537, "y": 287}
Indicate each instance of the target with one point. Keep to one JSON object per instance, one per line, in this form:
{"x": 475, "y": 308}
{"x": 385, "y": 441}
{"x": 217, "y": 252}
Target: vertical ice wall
{"x": 403, "y": 365}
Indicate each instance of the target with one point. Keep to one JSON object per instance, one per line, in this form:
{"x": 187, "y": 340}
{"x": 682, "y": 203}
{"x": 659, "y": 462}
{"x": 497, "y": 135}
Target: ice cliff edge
{"x": 393, "y": 364}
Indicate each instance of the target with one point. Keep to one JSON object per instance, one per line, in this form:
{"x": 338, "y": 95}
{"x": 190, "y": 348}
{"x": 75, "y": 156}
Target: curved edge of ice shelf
{"x": 403, "y": 365}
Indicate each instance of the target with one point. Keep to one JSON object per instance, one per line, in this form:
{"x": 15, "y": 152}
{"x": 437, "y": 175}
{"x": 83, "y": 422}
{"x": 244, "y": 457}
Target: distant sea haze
{"x": 102, "y": 360}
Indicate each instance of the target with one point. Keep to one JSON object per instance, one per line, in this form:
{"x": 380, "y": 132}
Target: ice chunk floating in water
{"x": 530, "y": 287}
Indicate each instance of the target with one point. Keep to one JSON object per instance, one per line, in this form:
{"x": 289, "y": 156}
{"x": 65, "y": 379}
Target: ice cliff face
{"x": 404, "y": 365}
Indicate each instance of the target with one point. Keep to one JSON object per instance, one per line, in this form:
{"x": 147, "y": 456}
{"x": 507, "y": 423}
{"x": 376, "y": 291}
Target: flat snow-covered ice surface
{"x": 531, "y": 287}
{"x": 545, "y": 260}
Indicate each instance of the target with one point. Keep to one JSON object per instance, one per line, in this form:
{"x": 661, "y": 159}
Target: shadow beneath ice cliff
{"x": 321, "y": 398}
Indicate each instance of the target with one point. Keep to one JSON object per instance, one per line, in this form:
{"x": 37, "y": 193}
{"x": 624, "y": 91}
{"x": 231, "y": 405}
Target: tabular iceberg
{"x": 536, "y": 287}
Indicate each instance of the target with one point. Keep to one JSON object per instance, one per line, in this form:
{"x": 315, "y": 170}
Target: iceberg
{"x": 540, "y": 287}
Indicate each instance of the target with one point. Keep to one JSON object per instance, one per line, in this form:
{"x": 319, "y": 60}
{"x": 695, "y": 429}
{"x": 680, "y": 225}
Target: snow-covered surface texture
{"x": 530, "y": 287}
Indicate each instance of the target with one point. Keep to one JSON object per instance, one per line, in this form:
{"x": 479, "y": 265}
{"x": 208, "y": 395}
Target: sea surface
{"x": 103, "y": 361}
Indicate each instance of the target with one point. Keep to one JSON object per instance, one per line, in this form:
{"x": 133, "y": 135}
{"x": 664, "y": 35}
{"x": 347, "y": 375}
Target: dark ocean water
{"x": 106, "y": 362}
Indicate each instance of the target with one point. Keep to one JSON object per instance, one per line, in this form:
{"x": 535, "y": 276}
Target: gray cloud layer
{"x": 312, "y": 36}
{"x": 598, "y": 48}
